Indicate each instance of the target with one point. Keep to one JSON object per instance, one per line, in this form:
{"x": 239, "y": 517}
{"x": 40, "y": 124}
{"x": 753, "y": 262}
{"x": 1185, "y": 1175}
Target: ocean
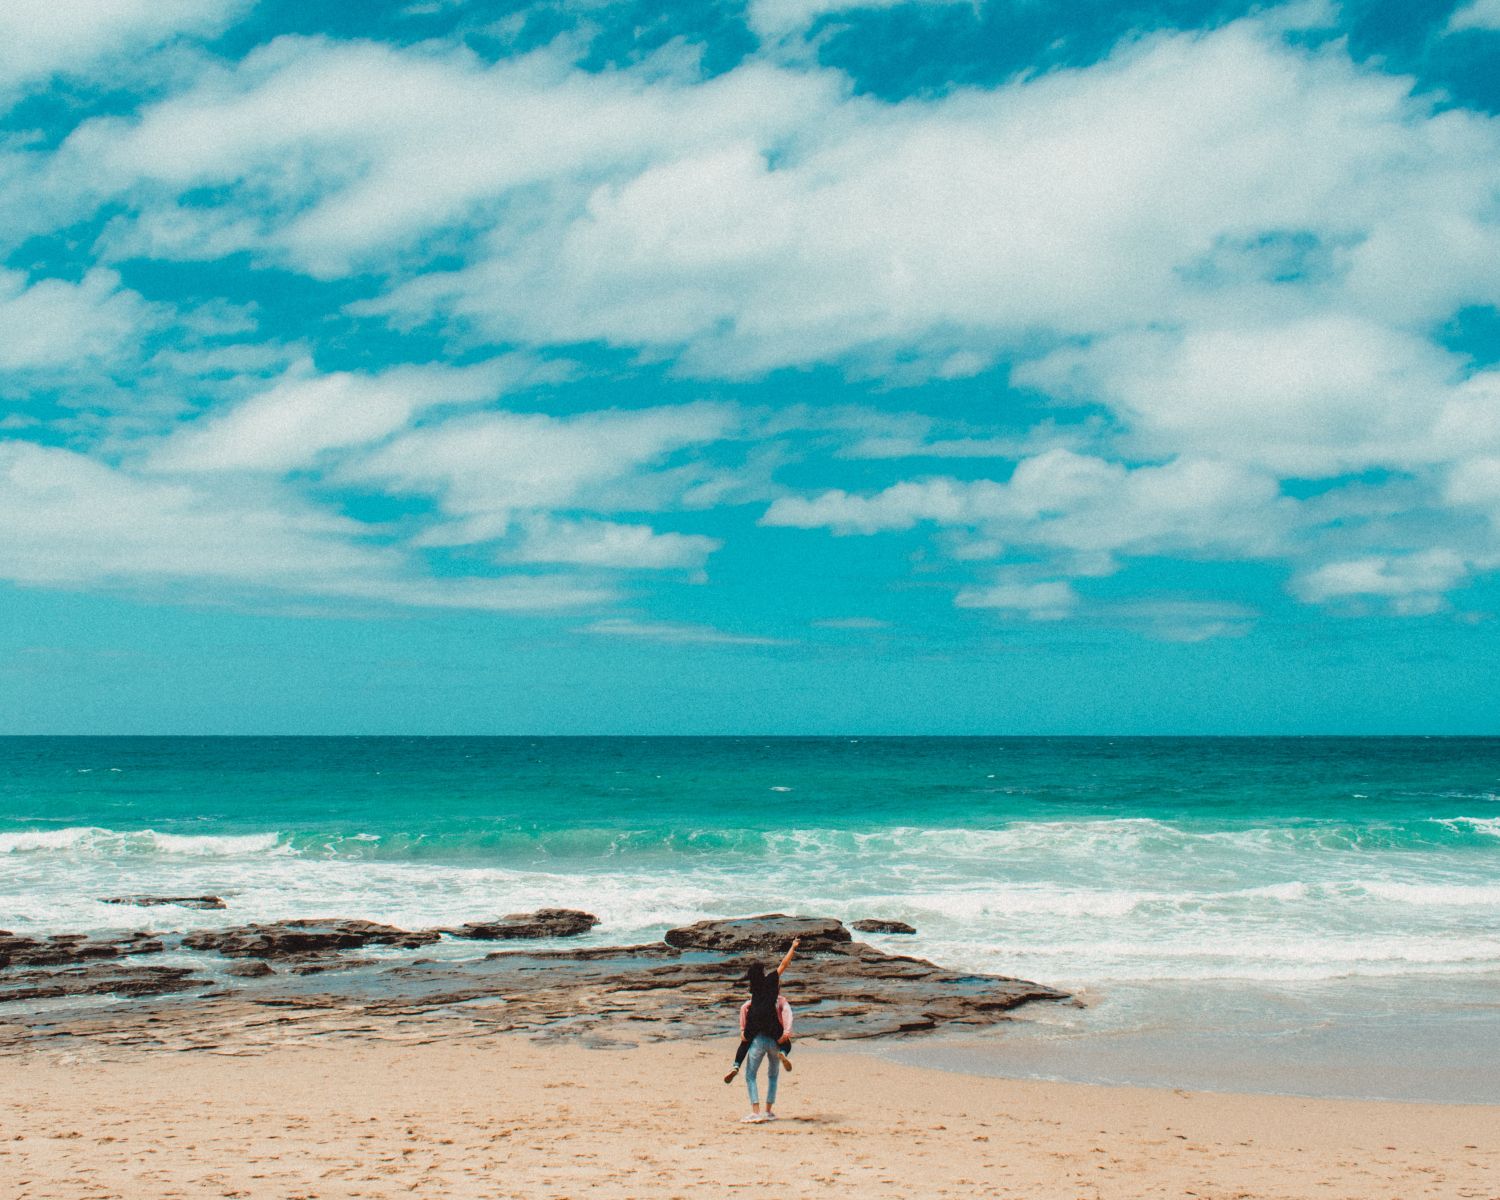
{"x": 1317, "y": 915}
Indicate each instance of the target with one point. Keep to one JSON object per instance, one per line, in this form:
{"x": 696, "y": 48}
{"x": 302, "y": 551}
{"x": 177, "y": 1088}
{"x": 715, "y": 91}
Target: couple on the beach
{"x": 765, "y": 1035}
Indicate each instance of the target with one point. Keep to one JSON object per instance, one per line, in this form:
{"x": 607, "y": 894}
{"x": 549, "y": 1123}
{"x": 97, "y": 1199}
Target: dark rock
{"x": 879, "y": 926}
{"x": 771, "y": 933}
{"x": 544, "y": 923}
{"x": 253, "y": 969}
{"x": 97, "y": 979}
{"x": 289, "y": 938}
{"x": 200, "y": 902}
{"x": 62, "y": 949}
{"x": 324, "y": 963}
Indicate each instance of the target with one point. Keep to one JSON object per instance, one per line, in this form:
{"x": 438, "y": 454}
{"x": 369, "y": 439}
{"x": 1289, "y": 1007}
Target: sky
{"x": 772, "y": 366}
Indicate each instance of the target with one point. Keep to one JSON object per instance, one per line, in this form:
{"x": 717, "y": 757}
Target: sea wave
{"x": 94, "y": 842}
{"x": 1188, "y": 906}
{"x": 1083, "y": 841}
{"x": 1482, "y": 826}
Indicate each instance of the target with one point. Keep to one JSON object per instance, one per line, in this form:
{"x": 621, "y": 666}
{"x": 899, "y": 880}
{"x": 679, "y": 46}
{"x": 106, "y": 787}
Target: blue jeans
{"x": 762, "y": 1047}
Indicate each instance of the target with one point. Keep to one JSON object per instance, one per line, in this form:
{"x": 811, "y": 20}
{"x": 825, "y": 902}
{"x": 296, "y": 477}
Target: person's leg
{"x": 752, "y": 1069}
{"x": 773, "y": 1060}
{"x": 739, "y": 1059}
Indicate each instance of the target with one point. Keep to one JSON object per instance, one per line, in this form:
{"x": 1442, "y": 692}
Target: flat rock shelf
{"x": 248, "y": 988}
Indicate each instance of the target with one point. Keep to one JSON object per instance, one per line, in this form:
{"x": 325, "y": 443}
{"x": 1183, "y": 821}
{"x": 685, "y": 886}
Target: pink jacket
{"x": 783, "y": 1014}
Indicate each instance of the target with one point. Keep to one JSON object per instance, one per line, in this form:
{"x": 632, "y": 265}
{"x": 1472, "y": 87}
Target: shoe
{"x": 752, "y": 1119}
{"x": 733, "y": 1071}
{"x": 770, "y": 1117}
{"x": 786, "y": 1063}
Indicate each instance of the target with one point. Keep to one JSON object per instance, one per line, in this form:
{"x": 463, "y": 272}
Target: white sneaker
{"x": 752, "y": 1119}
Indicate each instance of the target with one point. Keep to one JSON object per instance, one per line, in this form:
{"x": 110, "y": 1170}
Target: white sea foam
{"x": 1428, "y": 894}
{"x": 1486, "y": 826}
{"x": 1092, "y": 840}
{"x": 1071, "y": 902}
{"x": 39, "y": 840}
{"x": 110, "y": 843}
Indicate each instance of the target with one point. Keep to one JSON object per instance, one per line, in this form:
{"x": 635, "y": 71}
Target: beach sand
{"x": 507, "y": 1116}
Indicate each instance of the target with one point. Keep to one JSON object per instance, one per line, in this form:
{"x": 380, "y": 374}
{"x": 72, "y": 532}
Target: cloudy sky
{"x": 749, "y": 365}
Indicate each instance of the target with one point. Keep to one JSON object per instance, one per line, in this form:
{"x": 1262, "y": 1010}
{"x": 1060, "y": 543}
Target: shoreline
{"x": 986, "y": 1059}
{"x": 1315, "y": 1043}
{"x": 512, "y": 1116}
{"x": 247, "y": 986}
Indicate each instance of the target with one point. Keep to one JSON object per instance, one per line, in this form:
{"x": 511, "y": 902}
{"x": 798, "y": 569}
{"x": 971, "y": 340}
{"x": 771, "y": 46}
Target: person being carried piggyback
{"x": 765, "y": 1034}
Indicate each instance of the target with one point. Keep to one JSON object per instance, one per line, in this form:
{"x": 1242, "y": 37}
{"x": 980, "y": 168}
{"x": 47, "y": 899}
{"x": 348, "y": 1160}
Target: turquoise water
{"x": 1171, "y": 880}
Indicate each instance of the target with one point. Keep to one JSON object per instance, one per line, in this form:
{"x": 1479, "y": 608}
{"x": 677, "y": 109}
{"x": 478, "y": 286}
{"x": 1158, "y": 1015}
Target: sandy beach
{"x": 598, "y": 1070}
{"x": 508, "y": 1116}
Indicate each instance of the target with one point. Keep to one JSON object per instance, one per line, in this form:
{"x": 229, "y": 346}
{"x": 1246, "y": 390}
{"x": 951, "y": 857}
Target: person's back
{"x": 763, "y": 1017}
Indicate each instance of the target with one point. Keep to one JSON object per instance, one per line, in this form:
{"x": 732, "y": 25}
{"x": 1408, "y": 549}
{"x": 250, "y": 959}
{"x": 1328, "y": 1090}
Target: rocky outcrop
{"x": 543, "y": 923}
{"x": 199, "y": 902}
{"x": 287, "y": 939}
{"x": 839, "y": 990}
{"x": 687, "y": 986}
{"x": 97, "y": 979}
{"x": 873, "y": 925}
{"x": 63, "y": 949}
{"x": 771, "y": 933}
{"x": 296, "y": 939}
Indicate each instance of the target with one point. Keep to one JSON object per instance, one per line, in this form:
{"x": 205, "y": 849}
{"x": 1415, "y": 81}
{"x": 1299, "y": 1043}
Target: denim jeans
{"x": 762, "y": 1047}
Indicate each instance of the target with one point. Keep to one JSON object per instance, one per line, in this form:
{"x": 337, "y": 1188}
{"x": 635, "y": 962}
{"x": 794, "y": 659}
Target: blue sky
{"x": 782, "y": 366}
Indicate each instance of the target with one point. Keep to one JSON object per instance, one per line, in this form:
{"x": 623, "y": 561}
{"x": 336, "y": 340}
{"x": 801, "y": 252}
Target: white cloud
{"x": 304, "y": 414}
{"x": 53, "y": 323}
{"x": 591, "y": 543}
{"x": 900, "y": 506}
{"x": 340, "y": 150}
{"x": 1164, "y": 619}
{"x": 667, "y": 631}
{"x": 1152, "y": 188}
{"x": 1476, "y": 483}
{"x": 1073, "y": 502}
{"x": 885, "y": 436}
{"x": 487, "y": 466}
{"x": 769, "y": 217}
{"x": 779, "y": 18}
{"x": 1170, "y": 620}
{"x": 70, "y": 521}
{"x": 1235, "y": 244}
{"x": 1413, "y": 583}
{"x": 515, "y": 593}
{"x": 1318, "y": 396}
{"x": 1049, "y": 600}
{"x": 1477, "y": 14}
{"x": 42, "y": 38}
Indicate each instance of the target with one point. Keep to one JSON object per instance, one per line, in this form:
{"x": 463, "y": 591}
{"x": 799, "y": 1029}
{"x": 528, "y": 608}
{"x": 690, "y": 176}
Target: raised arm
{"x": 790, "y": 950}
